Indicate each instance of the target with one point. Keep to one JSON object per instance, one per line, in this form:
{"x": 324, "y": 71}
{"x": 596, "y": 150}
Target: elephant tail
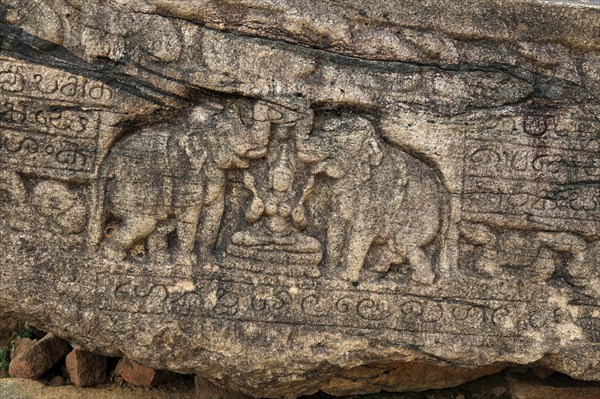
{"x": 447, "y": 231}
{"x": 98, "y": 208}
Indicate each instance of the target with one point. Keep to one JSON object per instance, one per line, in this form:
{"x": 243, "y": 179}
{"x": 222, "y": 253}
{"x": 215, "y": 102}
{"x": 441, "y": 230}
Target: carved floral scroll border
{"x": 336, "y": 308}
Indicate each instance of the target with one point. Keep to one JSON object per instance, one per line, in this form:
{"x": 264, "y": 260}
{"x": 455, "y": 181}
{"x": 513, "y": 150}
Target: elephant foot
{"x": 382, "y": 267}
{"x": 424, "y": 277}
{"x": 185, "y": 263}
{"x": 489, "y": 267}
{"x": 112, "y": 251}
{"x": 209, "y": 259}
{"x": 384, "y": 260}
{"x": 353, "y": 277}
{"x": 186, "y": 259}
{"x": 160, "y": 256}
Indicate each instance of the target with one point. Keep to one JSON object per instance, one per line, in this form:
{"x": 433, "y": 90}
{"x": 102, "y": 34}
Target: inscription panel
{"x": 323, "y": 306}
{"x": 54, "y": 122}
{"x": 31, "y": 151}
{"x": 35, "y": 81}
{"x": 47, "y": 117}
{"x": 537, "y": 170}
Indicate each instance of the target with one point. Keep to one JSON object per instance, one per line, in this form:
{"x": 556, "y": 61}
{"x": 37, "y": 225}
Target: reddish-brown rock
{"x": 401, "y": 377}
{"x": 40, "y": 357}
{"x": 85, "y": 368}
{"x": 21, "y": 345}
{"x": 136, "y": 374}
{"x": 531, "y": 390}
{"x": 205, "y": 389}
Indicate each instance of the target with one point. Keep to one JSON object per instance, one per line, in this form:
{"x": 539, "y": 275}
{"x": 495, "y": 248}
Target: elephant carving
{"x": 379, "y": 195}
{"x": 532, "y": 252}
{"x": 178, "y": 170}
{"x": 46, "y": 204}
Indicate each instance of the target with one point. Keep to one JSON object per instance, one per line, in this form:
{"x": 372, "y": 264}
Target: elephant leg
{"x": 544, "y": 265}
{"x": 418, "y": 259}
{"x": 134, "y": 229}
{"x": 387, "y": 257}
{"x": 187, "y": 227}
{"x": 209, "y": 229}
{"x": 489, "y": 263}
{"x": 358, "y": 246}
{"x": 570, "y": 244}
{"x": 158, "y": 246}
{"x": 336, "y": 237}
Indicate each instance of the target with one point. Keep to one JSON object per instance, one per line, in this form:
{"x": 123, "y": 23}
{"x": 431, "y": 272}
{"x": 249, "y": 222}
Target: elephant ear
{"x": 370, "y": 157}
{"x": 195, "y": 151}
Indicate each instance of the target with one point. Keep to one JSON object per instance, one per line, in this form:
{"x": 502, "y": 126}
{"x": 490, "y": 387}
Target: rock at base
{"x": 401, "y": 377}
{"x": 40, "y": 357}
{"x": 21, "y": 345}
{"x": 205, "y": 389}
{"x": 533, "y": 390}
{"x": 136, "y": 374}
{"x": 85, "y": 368}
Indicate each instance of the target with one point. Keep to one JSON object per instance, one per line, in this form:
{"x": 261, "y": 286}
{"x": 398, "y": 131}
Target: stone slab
{"x": 272, "y": 194}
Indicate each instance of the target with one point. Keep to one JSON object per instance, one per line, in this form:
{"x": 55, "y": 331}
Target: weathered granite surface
{"x": 273, "y": 193}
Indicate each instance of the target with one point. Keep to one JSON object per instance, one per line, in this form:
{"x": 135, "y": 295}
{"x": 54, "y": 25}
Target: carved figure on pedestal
{"x": 179, "y": 170}
{"x": 278, "y": 218}
{"x": 379, "y": 194}
{"x": 276, "y": 242}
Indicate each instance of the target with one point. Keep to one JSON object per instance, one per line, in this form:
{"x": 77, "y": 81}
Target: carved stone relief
{"x": 220, "y": 198}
